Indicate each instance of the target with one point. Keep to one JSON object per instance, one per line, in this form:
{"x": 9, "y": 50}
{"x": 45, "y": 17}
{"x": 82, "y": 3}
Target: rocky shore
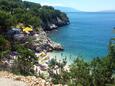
{"x": 35, "y": 40}
{"x": 45, "y": 43}
{"x": 40, "y": 41}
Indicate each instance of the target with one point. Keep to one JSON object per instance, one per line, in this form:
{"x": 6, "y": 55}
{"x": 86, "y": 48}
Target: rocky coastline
{"x": 36, "y": 40}
{"x": 55, "y": 24}
{"x": 40, "y": 42}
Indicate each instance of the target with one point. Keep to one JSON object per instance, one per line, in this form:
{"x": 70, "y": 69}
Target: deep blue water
{"x": 88, "y": 35}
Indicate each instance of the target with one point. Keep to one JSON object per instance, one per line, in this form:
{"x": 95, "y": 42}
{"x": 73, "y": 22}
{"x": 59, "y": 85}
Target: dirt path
{"x": 11, "y": 82}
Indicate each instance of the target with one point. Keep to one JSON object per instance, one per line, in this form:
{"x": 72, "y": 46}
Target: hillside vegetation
{"x": 18, "y": 11}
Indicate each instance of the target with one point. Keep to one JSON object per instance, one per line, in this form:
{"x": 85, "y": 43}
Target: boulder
{"x": 58, "y": 47}
{"x": 19, "y": 37}
{"x": 55, "y": 46}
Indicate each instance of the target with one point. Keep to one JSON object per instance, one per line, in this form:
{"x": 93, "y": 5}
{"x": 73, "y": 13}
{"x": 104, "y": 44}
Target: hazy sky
{"x": 83, "y": 5}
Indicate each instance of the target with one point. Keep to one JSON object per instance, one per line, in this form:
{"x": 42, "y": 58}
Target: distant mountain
{"x": 108, "y": 11}
{"x": 66, "y": 9}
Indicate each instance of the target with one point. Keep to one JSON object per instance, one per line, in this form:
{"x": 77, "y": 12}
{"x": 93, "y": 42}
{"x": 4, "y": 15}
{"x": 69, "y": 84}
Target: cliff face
{"x": 55, "y": 23}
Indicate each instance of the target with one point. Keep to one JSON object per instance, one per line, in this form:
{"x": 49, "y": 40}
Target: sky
{"x": 83, "y": 5}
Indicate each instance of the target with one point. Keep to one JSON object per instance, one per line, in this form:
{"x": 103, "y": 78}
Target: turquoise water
{"x": 88, "y": 35}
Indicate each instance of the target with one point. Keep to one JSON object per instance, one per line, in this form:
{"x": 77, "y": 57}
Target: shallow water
{"x": 88, "y": 35}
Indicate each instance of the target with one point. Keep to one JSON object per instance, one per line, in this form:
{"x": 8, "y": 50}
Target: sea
{"x": 86, "y": 37}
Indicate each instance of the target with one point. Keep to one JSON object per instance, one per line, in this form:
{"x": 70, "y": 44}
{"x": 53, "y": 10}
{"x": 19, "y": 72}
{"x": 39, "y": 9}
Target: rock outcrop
{"x": 56, "y": 23}
{"x": 40, "y": 41}
{"x": 36, "y": 40}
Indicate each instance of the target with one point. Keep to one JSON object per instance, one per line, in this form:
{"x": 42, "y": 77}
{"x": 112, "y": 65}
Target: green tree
{"x": 101, "y": 71}
{"x": 80, "y": 73}
{"x": 25, "y": 61}
{"x": 6, "y": 20}
{"x": 4, "y": 46}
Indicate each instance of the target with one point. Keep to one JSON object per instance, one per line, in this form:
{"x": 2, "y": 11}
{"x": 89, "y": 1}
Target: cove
{"x": 86, "y": 37}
